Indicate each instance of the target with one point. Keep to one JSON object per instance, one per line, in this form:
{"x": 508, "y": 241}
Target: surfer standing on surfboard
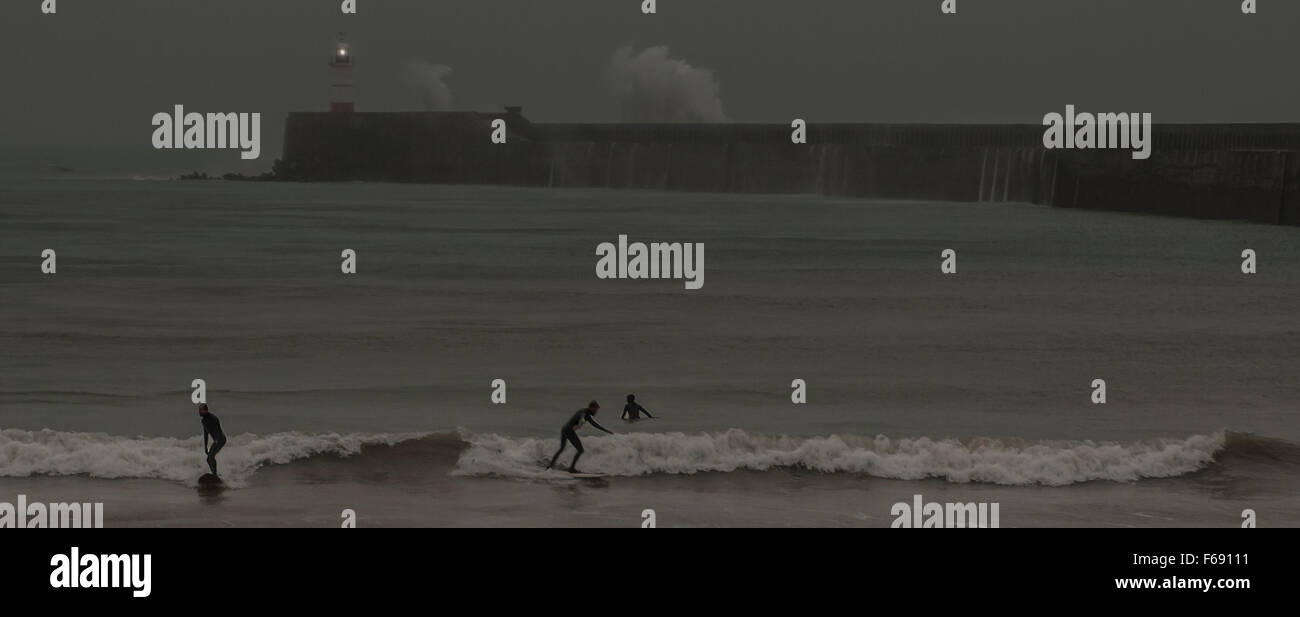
{"x": 633, "y": 409}
{"x": 211, "y": 426}
{"x": 569, "y": 433}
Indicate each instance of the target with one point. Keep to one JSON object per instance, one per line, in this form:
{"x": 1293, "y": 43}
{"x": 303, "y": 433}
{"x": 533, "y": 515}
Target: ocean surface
{"x": 371, "y": 392}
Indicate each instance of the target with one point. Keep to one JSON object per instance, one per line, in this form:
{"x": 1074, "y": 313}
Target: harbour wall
{"x": 1221, "y": 171}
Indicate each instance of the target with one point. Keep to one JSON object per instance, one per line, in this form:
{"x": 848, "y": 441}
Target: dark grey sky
{"x": 95, "y": 73}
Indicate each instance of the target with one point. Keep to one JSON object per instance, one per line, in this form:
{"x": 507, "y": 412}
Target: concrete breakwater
{"x": 1246, "y": 172}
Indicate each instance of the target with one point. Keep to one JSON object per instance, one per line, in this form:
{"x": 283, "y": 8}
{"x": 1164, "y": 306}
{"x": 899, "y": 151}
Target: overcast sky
{"x": 95, "y": 73}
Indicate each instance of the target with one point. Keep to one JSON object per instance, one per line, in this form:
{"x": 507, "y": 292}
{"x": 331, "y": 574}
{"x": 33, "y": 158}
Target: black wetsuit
{"x": 212, "y": 426}
{"x": 632, "y": 411}
{"x": 569, "y": 434}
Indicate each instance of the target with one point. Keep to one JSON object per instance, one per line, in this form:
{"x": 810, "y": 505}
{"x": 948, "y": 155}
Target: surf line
{"x": 657, "y": 260}
{"x": 1086, "y": 131}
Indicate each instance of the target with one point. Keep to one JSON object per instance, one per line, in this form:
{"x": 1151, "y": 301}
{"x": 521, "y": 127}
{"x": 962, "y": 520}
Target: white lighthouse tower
{"x": 342, "y": 91}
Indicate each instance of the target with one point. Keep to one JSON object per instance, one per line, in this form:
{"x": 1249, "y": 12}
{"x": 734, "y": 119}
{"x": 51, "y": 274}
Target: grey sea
{"x": 372, "y": 392}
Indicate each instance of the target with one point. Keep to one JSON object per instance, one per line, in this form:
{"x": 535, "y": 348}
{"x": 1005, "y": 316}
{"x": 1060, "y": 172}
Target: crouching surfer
{"x": 211, "y": 427}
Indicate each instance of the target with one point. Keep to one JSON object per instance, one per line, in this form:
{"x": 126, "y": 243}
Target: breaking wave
{"x": 99, "y": 455}
{"x": 1011, "y": 462}
{"x": 984, "y": 460}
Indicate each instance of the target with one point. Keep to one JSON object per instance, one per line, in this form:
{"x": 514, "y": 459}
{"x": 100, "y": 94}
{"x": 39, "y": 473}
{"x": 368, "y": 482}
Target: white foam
{"x": 46, "y": 452}
{"x": 995, "y": 461}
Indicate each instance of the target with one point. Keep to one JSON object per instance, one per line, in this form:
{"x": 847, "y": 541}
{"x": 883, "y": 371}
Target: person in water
{"x": 569, "y": 433}
{"x": 632, "y": 410}
{"x": 211, "y": 427}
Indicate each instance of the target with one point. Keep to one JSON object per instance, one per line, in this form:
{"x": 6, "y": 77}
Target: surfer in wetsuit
{"x": 211, "y": 427}
{"x": 569, "y": 433}
{"x": 632, "y": 410}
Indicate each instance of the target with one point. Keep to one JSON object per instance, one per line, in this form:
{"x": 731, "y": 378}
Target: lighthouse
{"x": 342, "y": 92}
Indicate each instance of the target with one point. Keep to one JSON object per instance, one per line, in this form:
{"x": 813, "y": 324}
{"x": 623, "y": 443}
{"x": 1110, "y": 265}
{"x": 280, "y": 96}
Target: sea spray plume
{"x": 650, "y": 86}
{"x": 430, "y": 80}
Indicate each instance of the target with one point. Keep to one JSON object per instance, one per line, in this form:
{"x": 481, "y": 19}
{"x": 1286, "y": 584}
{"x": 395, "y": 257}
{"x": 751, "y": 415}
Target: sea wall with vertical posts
{"x": 1222, "y": 171}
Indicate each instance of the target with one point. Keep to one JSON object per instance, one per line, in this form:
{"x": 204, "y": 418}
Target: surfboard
{"x": 587, "y": 476}
{"x": 208, "y": 480}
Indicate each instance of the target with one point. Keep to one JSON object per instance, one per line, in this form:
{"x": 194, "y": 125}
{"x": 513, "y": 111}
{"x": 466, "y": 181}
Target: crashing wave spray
{"x": 430, "y": 80}
{"x": 650, "y": 86}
